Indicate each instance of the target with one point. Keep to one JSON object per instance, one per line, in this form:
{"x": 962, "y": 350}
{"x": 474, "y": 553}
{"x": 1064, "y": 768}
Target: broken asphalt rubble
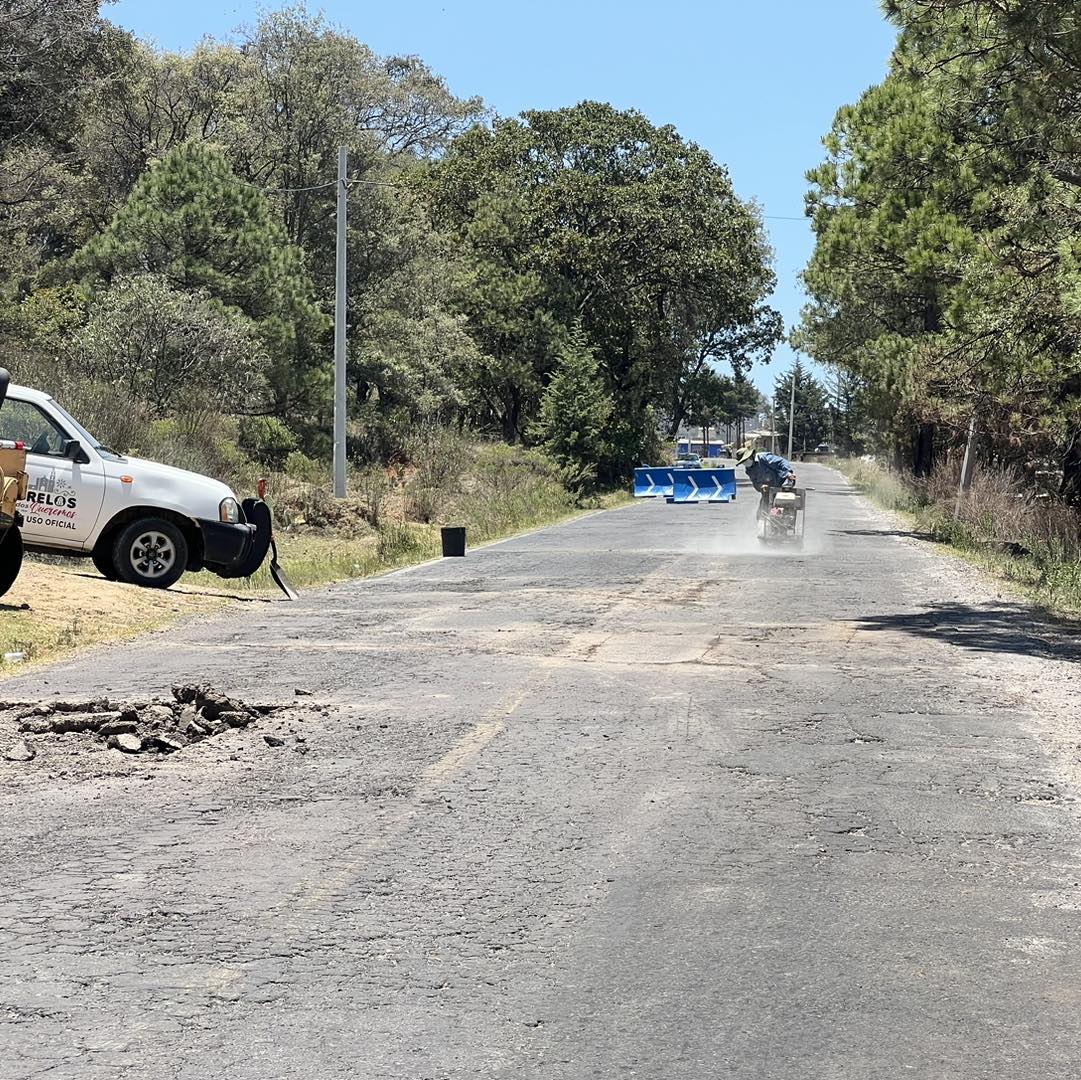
{"x": 196, "y": 712}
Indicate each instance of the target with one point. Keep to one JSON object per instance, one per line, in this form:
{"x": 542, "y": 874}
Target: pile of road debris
{"x": 196, "y": 712}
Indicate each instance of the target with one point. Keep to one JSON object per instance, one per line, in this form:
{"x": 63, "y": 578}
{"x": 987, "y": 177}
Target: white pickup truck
{"x": 139, "y": 521}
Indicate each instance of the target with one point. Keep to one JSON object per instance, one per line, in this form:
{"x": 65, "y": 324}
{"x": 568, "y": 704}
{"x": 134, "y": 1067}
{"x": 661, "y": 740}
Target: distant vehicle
{"x": 688, "y": 461}
{"x": 823, "y": 448}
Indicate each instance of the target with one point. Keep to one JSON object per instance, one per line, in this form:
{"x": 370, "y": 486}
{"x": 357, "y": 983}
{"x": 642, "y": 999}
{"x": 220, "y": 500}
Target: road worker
{"x": 767, "y": 472}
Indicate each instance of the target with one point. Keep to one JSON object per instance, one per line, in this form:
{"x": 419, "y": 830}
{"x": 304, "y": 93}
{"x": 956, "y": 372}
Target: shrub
{"x": 169, "y": 348}
{"x": 509, "y": 488}
{"x": 1019, "y": 532}
{"x": 400, "y": 544}
{"x": 374, "y": 487}
{"x": 203, "y": 442}
{"x": 441, "y": 457}
{"x": 306, "y": 470}
{"x": 267, "y": 439}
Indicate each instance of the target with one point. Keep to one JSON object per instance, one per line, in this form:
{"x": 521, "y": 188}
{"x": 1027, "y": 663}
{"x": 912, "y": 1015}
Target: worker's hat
{"x": 744, "y": 453}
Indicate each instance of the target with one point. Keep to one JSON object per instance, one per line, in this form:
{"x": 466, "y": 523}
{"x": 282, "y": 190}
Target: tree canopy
{"x": 945, "y": 275}
{"x": 484, "y": 256}
{"x": 596, "y": 215}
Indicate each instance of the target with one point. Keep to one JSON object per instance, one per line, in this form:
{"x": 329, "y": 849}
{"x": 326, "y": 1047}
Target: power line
{"x": 375, "y": 183}
{"x": 349, "y": 182}
{"x": 293, "y": 190}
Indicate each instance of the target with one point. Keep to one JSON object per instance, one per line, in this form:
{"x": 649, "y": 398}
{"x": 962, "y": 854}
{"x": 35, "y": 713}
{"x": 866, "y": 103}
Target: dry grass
{"x": 393, "y": 515}
{"x": 54, "y": 610}
{"x": 1032, "y": 542}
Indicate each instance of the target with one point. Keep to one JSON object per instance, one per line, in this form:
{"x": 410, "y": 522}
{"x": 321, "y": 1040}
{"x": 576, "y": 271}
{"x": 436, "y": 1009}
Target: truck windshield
{"x": 74, "y": 425}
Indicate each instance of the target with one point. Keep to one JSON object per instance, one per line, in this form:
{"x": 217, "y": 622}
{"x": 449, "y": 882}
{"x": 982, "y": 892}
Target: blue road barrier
{"x": 651, "y": 482}
{"x": 704, "y": 485}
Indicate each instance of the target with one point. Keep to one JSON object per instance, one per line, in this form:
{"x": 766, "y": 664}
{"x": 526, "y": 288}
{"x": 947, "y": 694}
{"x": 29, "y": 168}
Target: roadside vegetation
{"x": 945, "y": 284}
{"x": 1030, "y": 543}
{"x": 59, "y": 606}
{"x": 167, "y": 265}
{"x": 394, "y": 519}
{"x": 946, "y": 275}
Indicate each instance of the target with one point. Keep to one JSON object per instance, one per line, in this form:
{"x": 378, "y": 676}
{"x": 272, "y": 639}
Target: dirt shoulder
{"x": 54, "y": 610}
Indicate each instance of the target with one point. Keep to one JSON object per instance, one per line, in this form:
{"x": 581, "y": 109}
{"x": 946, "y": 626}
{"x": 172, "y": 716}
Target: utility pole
{"x": 968, "y": 463}
{"x": 792, "y": 410}
{"x": 339, "y": 328}
{"x": 835, "y": 412}
{"x": 773, "y": 426}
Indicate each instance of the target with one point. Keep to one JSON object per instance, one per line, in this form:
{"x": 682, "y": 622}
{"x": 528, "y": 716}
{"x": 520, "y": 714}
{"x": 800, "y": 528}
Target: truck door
{"x": 64, "y": 497}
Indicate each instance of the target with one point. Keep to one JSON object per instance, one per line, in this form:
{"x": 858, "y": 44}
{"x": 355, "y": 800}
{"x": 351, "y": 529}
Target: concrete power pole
{"x": 792, "y": 411}
{"x": 835, "y": 412}
{"x": 968, "y": 464}
{"x": 339, "y": 328}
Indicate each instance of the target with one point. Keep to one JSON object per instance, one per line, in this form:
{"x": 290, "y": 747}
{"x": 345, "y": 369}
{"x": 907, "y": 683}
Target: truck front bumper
{"x": 233, "y": 551}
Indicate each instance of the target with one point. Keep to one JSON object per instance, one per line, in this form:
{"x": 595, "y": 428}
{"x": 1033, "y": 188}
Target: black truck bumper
{"x": 233, "y": 551}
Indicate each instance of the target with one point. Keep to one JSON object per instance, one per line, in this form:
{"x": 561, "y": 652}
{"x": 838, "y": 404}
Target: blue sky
{"x": 756, "y": 84}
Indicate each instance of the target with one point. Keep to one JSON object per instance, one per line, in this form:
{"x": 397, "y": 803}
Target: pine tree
{"x": 192, "y": 222}
{"x": 812, "y": 415}
{"x": 575, "y": 412}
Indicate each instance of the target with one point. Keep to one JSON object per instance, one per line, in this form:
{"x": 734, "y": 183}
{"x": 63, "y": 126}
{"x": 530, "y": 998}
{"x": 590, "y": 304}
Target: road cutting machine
{"x": 780, "y": 517}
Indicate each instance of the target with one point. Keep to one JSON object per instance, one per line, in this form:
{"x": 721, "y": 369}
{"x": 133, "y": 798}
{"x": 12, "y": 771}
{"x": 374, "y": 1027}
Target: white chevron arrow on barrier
{"x": 694, "y": 493}
{"x": 652, "y": 484}
{"x": 717, "y": 485}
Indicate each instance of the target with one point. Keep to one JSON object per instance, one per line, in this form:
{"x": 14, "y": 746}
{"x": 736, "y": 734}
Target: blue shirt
{"x": 771, "y": 469}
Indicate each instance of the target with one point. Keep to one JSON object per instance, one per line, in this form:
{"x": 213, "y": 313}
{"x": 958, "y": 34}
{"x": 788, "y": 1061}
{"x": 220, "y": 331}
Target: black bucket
{"x": 453, "y": 541}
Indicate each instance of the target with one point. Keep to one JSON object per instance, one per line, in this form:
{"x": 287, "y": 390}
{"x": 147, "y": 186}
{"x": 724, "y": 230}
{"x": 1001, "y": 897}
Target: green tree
{"x": 1007, "y": 78}
{"x": 812, "y": 414}
{"x": 191, "y": 221}
{"x": 52, "y": 53}
{"x": 596, "y": 215}
{"x": 711, "y": 399}
{"x": 513, "y": 316}
{"x": 102, "y": 114}
{"x": 945, "y": 270}
{"x": 573, "y": 426}
{"x": 54, "y": 57}
{"x": 305, "y": 88}
{"x": 172, "y": 350}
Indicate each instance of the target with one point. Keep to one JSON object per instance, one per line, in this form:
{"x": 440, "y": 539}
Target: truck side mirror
{"x": 5, "y": 382}
{"x": 73, "y": 451}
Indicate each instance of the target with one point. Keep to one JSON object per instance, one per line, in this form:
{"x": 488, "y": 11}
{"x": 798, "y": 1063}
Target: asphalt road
{"x": 622, "y": 798}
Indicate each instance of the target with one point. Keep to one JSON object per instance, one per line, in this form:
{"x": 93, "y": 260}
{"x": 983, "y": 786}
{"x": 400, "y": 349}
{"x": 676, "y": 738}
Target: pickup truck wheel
{"x": 103, "y": 562}
{"x": 11, "y": 558}
{"x": 151, "y": 552}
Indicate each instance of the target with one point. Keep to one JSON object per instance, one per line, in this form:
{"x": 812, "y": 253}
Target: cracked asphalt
{"x": 627, "y": 797}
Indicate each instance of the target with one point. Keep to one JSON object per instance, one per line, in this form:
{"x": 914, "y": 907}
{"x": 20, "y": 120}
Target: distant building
{"x": 716, "y": 442}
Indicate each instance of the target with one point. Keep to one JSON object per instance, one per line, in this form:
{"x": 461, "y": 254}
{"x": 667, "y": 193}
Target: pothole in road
{"x": 1032, "y": 791}
{"x": 195, "y": 712}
